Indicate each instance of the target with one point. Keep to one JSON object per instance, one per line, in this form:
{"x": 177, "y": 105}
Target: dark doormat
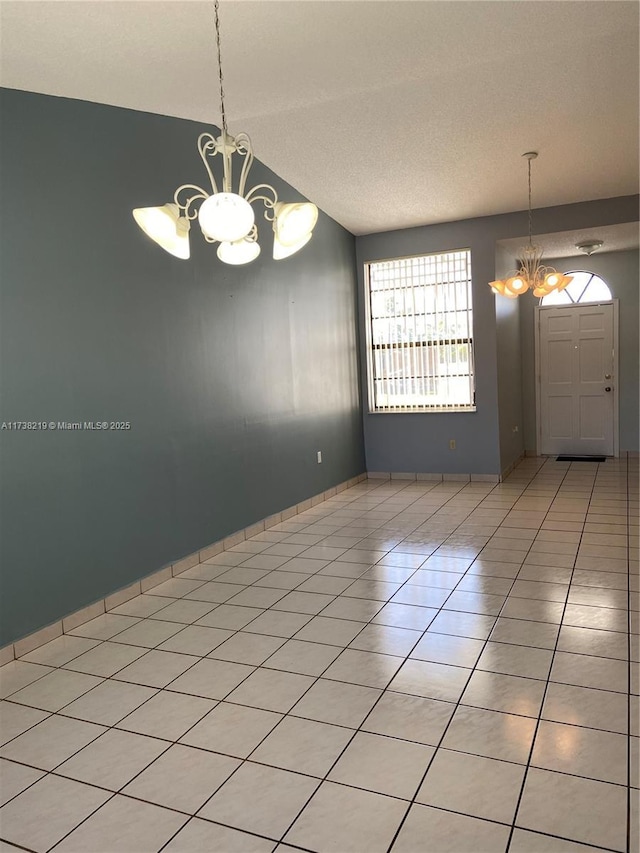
{"x": 581, "y": 459}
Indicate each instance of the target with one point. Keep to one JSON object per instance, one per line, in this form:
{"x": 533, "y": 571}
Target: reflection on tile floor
{"x": 409, "y": 666}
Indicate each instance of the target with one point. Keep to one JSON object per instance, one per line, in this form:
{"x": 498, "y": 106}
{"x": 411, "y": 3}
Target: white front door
{"x": 576, "y": 388}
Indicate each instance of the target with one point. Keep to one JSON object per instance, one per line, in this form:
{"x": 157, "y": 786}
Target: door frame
{"x": 616, "y": 366}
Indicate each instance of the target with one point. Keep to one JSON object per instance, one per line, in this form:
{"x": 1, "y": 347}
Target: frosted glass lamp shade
{"x": 166, "y": 227}
{"x": 239, "y": 252}
{"x": 226, "y": 217}
{"x": 281, "y": 251}
{"x": 497, "y": 286}
{"x": 541, "y": 291}
{"x": 294, "y": 221}
{"x": 564, "y": 281}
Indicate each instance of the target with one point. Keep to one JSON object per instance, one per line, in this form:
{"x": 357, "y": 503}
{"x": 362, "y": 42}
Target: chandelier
{"x": 226, "y": 216}
{"x": 531, "y": 274}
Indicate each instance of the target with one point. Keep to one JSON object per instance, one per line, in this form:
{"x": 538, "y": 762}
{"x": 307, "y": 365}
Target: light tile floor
{"x": 409, "y": 666}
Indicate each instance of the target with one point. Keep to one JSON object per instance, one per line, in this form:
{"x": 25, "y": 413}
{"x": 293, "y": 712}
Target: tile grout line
{"x": 443, "y": 736}
{"x": 546, "y": 688}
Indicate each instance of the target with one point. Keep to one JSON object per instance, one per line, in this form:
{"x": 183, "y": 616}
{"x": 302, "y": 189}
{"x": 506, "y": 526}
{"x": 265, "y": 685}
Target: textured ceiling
{"x": 387, "y": 114}
{"x": 562, "y": 244}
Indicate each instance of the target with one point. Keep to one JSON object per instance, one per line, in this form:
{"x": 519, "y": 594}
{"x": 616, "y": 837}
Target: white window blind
{"x": 420, "y": 333}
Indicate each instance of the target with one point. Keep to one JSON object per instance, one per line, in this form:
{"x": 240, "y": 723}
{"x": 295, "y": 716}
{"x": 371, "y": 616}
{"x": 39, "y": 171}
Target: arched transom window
{"x": 585, "y": 287}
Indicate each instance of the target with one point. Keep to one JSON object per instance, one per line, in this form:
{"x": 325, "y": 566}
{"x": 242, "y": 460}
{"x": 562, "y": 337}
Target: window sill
{"x": 430, "y": 410}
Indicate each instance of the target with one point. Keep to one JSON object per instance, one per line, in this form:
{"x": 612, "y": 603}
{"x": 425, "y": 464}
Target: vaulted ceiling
{"x": 386, "y": 113}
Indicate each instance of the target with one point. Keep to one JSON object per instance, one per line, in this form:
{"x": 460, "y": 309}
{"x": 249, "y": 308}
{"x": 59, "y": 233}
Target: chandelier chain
{"x": 216, "y": 7}
{"x": 529, "y": 202}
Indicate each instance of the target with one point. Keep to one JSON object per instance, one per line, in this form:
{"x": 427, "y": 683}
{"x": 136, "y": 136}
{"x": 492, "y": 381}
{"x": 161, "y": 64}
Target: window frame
{"x": 371, "y": 347}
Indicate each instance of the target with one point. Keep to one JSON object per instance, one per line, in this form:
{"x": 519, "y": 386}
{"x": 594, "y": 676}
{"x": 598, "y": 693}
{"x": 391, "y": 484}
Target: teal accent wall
{"x": 232, "y": 377}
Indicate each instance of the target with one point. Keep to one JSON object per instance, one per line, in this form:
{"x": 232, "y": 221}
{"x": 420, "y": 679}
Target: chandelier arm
{"x": 243, "y": 146}
{"x": 268, "y": 201}
{"x": 227, "y": 162}
{"x": 199, "y": 194}
{"x": 529, "y": 164}
{"x": 206, "y": 142}
{"x": 216, "y": 7}
{"x": 243, "y": 143}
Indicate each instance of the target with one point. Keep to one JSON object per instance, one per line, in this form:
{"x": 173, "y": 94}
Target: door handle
{"x": 607, "y": 388}
{"x": 607, "y": 376}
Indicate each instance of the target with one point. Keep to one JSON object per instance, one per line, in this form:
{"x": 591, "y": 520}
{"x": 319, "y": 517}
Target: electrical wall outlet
{"x": 319, "y": 457}
{"x": 452, "y": 444}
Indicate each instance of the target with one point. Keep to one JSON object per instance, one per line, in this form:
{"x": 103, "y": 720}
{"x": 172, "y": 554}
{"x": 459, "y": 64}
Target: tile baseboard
{"x": 434, "y": 477}
{"x": 119, "y": 596}
{"x": 506, "y": 471}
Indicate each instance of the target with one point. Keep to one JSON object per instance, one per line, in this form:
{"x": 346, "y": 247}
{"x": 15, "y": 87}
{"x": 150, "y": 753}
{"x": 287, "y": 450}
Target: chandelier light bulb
{"x": 226, "y": 217}
{"x": 515, "y": 286}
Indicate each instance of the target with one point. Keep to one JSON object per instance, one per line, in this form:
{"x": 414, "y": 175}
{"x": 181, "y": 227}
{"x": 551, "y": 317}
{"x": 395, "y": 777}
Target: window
{"x": 420, "y": 339}
{"x": 585, "y": 287}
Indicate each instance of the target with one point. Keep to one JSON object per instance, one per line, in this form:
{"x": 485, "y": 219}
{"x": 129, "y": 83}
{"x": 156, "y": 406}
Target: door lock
{"x": 607, "y": 388}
